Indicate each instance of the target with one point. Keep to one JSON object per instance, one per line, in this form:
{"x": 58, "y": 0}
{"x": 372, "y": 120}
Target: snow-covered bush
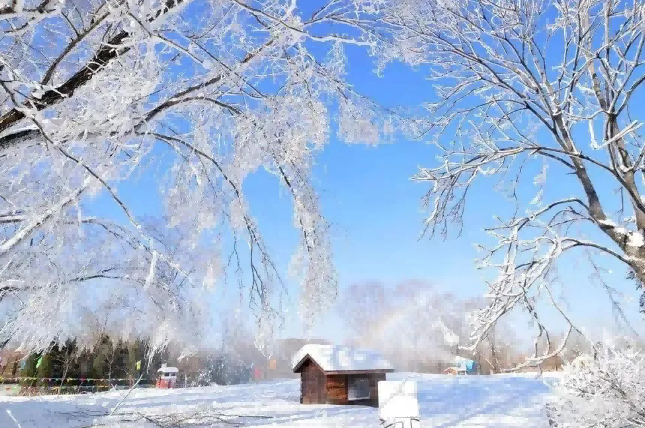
{"x": 605, "y": 391}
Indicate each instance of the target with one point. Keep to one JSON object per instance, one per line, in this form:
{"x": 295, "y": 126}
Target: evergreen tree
{"x": 44, "y": 370}
{"x": 131, "y": 365}
{"x": 120, "y": 364}
{"x": 83, "y": 367}
{"x": 29, "y": 370}
{"x": 65, "y": 360}
{"x": 107, "y": 360}
{"x": 103, "y": 358}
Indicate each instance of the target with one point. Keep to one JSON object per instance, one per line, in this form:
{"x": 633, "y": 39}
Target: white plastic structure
{"x": 398, "y": 404}
{"x": 167, "y": 376}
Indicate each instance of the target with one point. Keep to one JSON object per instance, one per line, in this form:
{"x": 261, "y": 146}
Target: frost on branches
{"x": 550, "y": 88}
{"x": 205, "y": 92}
{"x": 605, "y": 391}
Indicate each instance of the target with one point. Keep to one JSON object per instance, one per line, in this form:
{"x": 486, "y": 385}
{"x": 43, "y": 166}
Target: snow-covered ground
{"x": 445, "y": 401}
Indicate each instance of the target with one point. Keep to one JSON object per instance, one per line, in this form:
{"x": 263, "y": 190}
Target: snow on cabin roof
{"x": 168, "y": 370}
{"x": 333, "y": 358}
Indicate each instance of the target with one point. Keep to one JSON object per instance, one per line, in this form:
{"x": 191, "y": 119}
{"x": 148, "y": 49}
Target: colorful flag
{"x": 139, "y": 365}
{"x": 40, "y": 360}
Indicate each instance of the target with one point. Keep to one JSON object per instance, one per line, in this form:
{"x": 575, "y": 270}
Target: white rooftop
{"x": 334, "y": 358}
{"x": 168, "y": 370}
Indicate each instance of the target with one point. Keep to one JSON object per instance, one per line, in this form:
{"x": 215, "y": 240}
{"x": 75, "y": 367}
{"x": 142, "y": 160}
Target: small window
{"x": 359, "y": 389}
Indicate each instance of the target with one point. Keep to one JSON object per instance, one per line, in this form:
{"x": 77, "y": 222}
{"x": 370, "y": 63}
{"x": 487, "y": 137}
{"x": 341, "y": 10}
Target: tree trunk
{"x": 62, "y": 380}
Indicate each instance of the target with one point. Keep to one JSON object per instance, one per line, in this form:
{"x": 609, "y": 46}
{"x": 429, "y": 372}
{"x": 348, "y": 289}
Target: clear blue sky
{"x": 367, "y": 194}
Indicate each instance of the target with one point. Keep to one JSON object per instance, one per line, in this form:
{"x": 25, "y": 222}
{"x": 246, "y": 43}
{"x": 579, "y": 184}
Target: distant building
{"x": 339, "y": 374}
{"x": 462, "y": 366}
{"x": 167, "y": 377}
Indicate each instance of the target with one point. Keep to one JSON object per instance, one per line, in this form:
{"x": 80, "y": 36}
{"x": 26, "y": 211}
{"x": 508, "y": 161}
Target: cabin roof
{"x": 334, "y": 358}
{"x": 168, "y": 369}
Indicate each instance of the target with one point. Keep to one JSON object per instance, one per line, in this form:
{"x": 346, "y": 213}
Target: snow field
{"x": 445, "y": 401}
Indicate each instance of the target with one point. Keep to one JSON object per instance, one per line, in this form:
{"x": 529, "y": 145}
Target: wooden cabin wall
{"x": 312, "y": 384}
{"x": 337, "y": 389}
{"x": 317, "y": 387}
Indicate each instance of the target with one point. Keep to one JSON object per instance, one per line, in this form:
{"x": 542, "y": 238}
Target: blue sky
{"x": 378, "y": 217}
{"x": 375, "y": 209}
{"x": 366, "y": 193}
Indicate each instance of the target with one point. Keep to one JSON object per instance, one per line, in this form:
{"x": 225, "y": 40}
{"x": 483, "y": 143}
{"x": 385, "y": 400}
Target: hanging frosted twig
{"x": 95, "y": 94}
{"x": 523, "y": 86}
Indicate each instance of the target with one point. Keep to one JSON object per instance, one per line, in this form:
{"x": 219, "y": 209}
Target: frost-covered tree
{"x": 525, "y": 88}
{"x": 498, "y": 352}
{"x": 95, "y": 92}
{"x": 416, "y": 325}
{"x": 605, "y": 391}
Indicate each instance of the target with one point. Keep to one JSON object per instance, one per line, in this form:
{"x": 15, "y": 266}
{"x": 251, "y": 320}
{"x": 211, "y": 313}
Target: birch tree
{"x": 93, "y": 92}
{"x": 537, "y": 85}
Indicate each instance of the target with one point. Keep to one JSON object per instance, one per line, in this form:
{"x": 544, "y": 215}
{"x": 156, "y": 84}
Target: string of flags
{"x": 68, "y": 387}
{"x": 23, "y": 363}
{"x": 68, "y": 379}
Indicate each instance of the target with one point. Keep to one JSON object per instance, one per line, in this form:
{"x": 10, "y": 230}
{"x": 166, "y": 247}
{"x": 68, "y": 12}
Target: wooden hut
{"x": 339, "y": 375}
